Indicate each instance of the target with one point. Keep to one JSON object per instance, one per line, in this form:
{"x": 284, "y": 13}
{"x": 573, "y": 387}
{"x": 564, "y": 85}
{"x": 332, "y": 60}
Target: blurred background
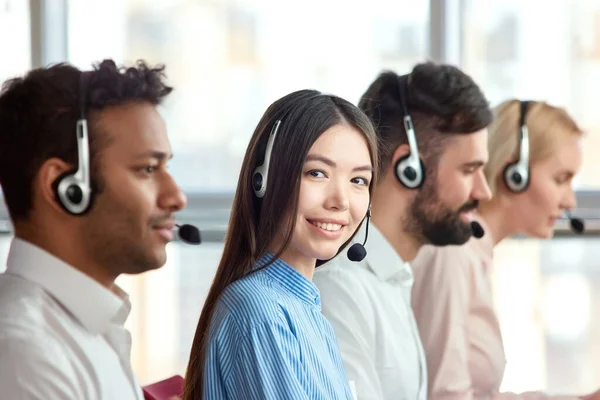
{"x": 229, "y": 59}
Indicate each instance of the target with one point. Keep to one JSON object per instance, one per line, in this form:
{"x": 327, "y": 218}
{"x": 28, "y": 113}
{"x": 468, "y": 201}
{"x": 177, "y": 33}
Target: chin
{"x": 324, "y": 253}
{"x": 542, "y": 233}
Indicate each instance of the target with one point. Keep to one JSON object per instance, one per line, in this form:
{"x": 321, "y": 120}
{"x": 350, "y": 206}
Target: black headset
{"x": 409, "y": 170}
{"x": 516, "y": 175}
{"x": 261, "y": 173}
{"x": 73, "y": 189}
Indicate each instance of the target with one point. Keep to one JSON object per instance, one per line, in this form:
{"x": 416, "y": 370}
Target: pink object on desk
{"x": 164, "y": 389}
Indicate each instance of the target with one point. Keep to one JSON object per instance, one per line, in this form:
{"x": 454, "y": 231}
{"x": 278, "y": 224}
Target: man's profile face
{"x": 132, "y": 219}
{"x": 441, "y": 211}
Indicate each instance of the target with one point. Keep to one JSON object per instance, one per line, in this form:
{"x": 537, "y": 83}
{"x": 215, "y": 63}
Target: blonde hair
{"x": 545, "y": 124}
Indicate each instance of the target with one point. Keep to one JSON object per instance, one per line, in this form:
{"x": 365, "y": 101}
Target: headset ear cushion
{"x": 515, "y": 178}
{"x": 57, "y": 182}
{"x": 73, "y": 193}
{"x": 407, "y": 174}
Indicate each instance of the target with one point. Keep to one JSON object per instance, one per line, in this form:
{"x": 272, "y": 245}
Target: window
{"x": 16, "y": 52}
{"x": 545, "y": 290}
{"x": 228, "y": 60}
{"x": 546, "y": 293}
{"x": 15, "y": 56}
{"x": 510, "y": 51}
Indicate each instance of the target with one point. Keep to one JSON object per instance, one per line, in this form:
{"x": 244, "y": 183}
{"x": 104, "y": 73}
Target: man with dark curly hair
{"x": 432, "y": 128}
{"x": 83, "y": 171}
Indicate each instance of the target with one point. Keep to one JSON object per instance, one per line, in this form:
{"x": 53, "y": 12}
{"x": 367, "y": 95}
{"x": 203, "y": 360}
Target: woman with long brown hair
{"x": 304, "y": 189}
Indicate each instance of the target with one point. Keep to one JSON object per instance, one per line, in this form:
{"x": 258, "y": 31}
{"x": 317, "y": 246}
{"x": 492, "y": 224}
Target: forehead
{"x": 342, "y": 142}
{"x": 467, "y": 148}
{"x": 568, "y": 152}
{"x": 132, "y": 128}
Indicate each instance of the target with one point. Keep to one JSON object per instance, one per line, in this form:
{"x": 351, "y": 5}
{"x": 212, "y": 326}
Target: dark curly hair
{"x": 39, "y": 113}
{"x": 441, "y": 100}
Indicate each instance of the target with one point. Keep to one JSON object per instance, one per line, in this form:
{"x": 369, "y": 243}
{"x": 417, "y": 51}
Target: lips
{"x": 165, "y": 229}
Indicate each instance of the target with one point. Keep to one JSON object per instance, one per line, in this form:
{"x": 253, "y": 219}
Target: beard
{"x": 433, "y": 222}
{"x": 114, "y": 238}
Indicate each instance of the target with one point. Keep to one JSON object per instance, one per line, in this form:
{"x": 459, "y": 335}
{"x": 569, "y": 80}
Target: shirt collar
{"x": 291, "y": 280}
{"x": 95, "y": 306}
{"x": 383, "y": 259}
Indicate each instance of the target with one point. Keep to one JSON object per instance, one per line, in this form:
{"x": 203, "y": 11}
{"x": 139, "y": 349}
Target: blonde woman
{"x": 534, "y": 153}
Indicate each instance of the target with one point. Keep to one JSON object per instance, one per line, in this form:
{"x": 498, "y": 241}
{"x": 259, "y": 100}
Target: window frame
{"x": 210, "y": 211}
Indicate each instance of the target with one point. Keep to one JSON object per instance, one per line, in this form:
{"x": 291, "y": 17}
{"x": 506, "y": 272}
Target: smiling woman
{"x": 292, "y": 209}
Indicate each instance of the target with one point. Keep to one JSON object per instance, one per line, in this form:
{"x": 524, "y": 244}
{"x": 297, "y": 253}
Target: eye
{"x": 360, "y": 181}
{"x": 148, "y": 169}
{"x": 563, "y": 179}
{"x": 315, "y": 173}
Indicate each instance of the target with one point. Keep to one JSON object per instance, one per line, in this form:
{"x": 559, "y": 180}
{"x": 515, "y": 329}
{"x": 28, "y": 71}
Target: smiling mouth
{"x": 327, "y": 226}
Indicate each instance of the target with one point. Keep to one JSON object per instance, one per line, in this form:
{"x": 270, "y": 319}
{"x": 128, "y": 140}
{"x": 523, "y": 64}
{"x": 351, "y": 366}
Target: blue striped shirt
{"x": 269, "y": 340}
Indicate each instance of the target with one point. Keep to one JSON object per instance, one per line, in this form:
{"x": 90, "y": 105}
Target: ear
{"x": 401, "y": 151}
{"x": 47, "y": 178}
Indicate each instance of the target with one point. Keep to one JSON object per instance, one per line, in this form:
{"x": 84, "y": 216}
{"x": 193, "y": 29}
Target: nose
{"x": 569, "y": 200}
{"x": 337, "y": 196}
{"x": 481, "y": 189}
{"x": 172, "y": 197}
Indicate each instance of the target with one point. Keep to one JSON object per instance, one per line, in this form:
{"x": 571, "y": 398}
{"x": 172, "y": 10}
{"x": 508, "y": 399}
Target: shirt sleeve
{"x": 28, "y": 371}
{"x": 262, "y": 363}
{"x": 441, "y": 299}
{"x": 345, "y": 305}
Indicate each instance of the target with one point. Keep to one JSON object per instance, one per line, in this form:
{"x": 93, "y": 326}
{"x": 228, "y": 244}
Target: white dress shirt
{"x": 61, "y": 332}
{"x": 368, "y": 305}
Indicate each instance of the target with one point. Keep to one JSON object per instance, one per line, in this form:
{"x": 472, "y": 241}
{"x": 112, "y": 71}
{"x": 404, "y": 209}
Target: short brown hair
{"x": 441, "y": 99}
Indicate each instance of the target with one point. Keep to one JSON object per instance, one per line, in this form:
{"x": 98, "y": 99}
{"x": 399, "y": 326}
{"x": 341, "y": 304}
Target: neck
{"x": 66, "y": 247}
{"x": 306, "y": 266}
{"x": 385, "y": 216}
{"x": 497, "y": 223}
{"x": 301, "y": 263}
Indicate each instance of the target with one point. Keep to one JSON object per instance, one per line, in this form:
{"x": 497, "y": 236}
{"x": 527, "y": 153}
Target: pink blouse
{"x": 452, "y": 302}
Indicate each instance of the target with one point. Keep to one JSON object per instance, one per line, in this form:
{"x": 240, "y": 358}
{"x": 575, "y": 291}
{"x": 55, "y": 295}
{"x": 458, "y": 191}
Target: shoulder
{"x": 446, "y": 260}
{"x": 342, "y": 274}
{"x": 24, "y": 308}
{"x": 347, "y": 285}
{"x": 444, "y": 270}
{"x": 251, "y": 302}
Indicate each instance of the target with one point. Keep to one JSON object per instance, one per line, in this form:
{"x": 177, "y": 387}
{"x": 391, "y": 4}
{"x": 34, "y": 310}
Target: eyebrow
{"x": 567, "y": 173}
{"x": 332, "y": 164}
{"x": 158, "y": 155}
{"x": 474, "y": 164}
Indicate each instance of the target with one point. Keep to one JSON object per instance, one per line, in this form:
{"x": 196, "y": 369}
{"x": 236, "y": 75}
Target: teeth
{"x": 327, "y": 227}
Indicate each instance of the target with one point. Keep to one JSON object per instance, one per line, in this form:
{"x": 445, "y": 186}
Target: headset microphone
{"x": 477, "y": 229}
{"x": 577, "y": 224}
{"x": 189, "y": 234}
{"x": 357, "y": 251}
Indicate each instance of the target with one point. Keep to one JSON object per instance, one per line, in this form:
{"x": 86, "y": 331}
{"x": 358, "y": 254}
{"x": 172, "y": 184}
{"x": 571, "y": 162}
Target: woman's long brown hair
{"x": 254, "y": 222}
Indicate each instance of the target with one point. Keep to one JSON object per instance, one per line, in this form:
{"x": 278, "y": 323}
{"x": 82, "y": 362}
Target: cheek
{"x": 310, "y": 196}
{"x": 135, "y": 198}
{"x": 455, "y": 189}
{"x": 359, "y": 204}
{"x": 542, "y": 202}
